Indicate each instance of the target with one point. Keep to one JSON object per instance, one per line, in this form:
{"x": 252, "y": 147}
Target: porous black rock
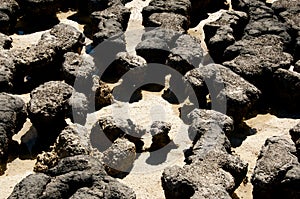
{"x": 256, "y": 59}
{"x": 277, "y": 170}
{"x": 48, "y": 105}
{"x": 186, "y": 55}
{"x": 153, "y": 50}
{"x": 123, "y": 63}
{"x": 9, "y": 12}
{"x": 115, "y": 127}
{"x": 79, "y": 176}
{"x": 103, "y": 94}
{"x": 118, "y": 159}
{"x": 41, "y": 62}
{"x": 166, "y": 20}
{"x": 5, "y": 41}
{"x": 37, "y": 8}
{"x": 12, "y": 117}
{"x": 110, "y": 24}
{"x": 218, "y": 175}
{"x": 7, "y": 72}
{"x": 73, "y": 140}
{"x": 224, "y": 32}
{"x": 211, "y": 171}
{"x": 182, "y": 7}
{"x": 224, "y": 121}
{"x": 289, "y": 12}
{"x": 160, "y": 138}
{"x": 168, "y": 35}
{"x": 63, "y": 38}
{"x": 295, "y": 135}
{"x": 80, "y": 69}
{"x": 286, "y": 89}
{"x": 229, "y": 93}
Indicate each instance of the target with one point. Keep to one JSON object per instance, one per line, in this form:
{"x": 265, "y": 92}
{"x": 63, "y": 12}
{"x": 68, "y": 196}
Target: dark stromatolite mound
{"x": 263, "y": 21}
{"x": 186, "y": 55}
{"x": 182, "y": 7}
{"x": 286, "y": 88}
{"x": 217, "y": 176}
{"x": 12, "y": 118}
{"x": 224, "y": 121}
{"x": 5, "y": 41}
{"x": 165, "y": 20}
{"x": 63, "y": 38}
{"x": 110, "y": 23}
{"x": 210, "y": 171}
{"x": 228, "y": 91}
{"x": 277, "y": 170}
{"x": 295, "y": 134}
{"x": 73, "y": 140}
{"x": 160, "y": 138}
{"x": 9, "y": 11}
{"x": 37, "y": 8}
{"x": 74, "y": 177}
{"x": 118, "y": 159}
{"x": 168, "y": 35}
{"x": 89, "y": 6}
{"x": 153, "y": 50}
{"x": 42, "y": 62}
{"x": 224, "y": 32}
{"x": 79, "y": 68}
{"x": 7, "y": 72}
{"x": 256, "y": 59}
{"x": 289, "y": 12}
{"x": 115, "y": 127}
{"x": 207, "y": 136}
{"x": 123, "y": 63}
{"x": 156, "y": 44}
{"x": 103, "y": 94}
{"x": 49, "y": 105}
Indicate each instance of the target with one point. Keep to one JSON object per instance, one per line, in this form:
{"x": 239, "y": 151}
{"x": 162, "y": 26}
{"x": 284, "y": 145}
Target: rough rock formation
{"x": 211, "y": 171}
{"x": 78, "y": 71}
{"x": 295, "y": 134}
{"x": 287, "y": 87}
{"x": 48, "y": 105}
{"x": 42, "y": 62}
{"x": 289, "y": 12}
{"x": 257, "y": 58}
{"x": 103, "y": 94}
{"x": 12, "y": 117}
{"x": 7, "y": 72}
{"x": 115, "y": 127}
{"x": 276, "y": 173}
{"x": 182, "y": 7}
{"x": 9, "y": 11}
{"x": 37, "y": 8}
{"x": 73, "y": 177}
{"x": 160, "y": 138}
{"x": 186, "y": 55}
{"x": 224, "y": 32}
{"x": 72, "y": 141}
{"x": 109, "y": 23}
{"x": 5, "y": 41}
{"x": 153, "y": 50}
{"x": 228, "y": 91}
{"x": 119, "y": 158}
{"x": 123, "y": 63}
